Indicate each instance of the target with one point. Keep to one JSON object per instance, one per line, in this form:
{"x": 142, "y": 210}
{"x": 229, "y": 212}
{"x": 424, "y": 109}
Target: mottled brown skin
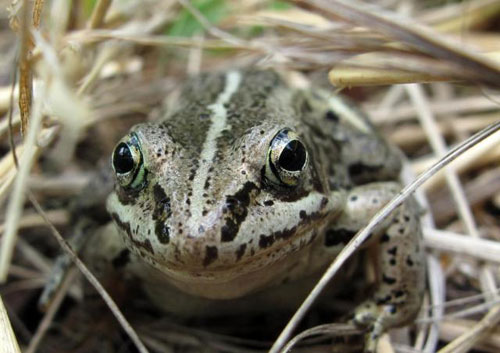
{"x": 206, "y": 211}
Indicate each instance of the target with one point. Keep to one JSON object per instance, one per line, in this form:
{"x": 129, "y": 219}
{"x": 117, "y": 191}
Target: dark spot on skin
{"x": 125, "y": 226}
{"x": 302, "y": 214}
{"x": 162, "y": 202}
{"x": 392, "y": 262}
{"x": 284, "y": 234}
{"x": 128, "y": 196}
{"x": 406, "y": 218}
{"x": 388, "y": 280}
{"x": 266, "y": 241}
{"x": 268, "y": 203}
{"x": 192, "y": 173}
{"x": 211, "y": 254}
{"x": 360, "y": 172}
{"x": 236, "y": 210}
{"x": 162, "y": 231}
{"x": 353, "y": 198}
{"x": 122, "y": 259}
{"x": 384, "y": 300}
{"x": 207, "y": 184}
{"x": 332, "y": 116}
{"x": 204, "y": 116}
{"x": 335, "y": 237}
{"x": 398, "y": 293}
{"x": 393, "y": 251}
{"x": 241, "y": 251}
{"x": 401, "y": 231}
{"x": 385, "y": 238}
{"x": 409, "y": 261}
{"x": 162, "y": 211}
{"x": 375, "y": 201}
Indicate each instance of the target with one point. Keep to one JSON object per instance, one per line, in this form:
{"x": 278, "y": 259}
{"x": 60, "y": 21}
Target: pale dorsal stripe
{"x": 218, "y": 124}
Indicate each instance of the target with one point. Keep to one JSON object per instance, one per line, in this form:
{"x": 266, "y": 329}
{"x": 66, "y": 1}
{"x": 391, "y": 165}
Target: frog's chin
{"x": 238, "y": 280}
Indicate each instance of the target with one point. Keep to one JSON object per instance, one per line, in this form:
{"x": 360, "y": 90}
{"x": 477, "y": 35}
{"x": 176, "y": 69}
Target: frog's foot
{"x": 376, "y": 319}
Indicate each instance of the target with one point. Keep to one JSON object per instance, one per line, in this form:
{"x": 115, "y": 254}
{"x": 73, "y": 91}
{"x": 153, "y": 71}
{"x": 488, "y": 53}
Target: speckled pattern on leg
{"x": 399, "y": 291}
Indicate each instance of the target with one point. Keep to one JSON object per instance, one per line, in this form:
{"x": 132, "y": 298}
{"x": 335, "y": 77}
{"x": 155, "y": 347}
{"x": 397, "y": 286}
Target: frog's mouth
{"x": 242, "y": 269}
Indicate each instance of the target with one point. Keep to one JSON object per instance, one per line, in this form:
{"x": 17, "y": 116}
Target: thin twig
{"x": 99, "y": 13}
{"x": 91, "y": 278}
{"x": 44, "y": 325}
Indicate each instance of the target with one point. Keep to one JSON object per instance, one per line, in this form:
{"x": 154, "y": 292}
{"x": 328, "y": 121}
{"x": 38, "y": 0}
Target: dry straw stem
{"x": 25, "y": 74}
{"x": 33, "y": 220}
{"x": 460, "y": 16}
{"x": 328, "y": 330}
{"x": 459, "y": 105}
{"x": 357, "y": 74}
{"x": 5, "y": 93}
{"x": 17, "y": 197}
{"x": 8, "y": 342}
{"x": 361, "y": 236}
{"x": 485, "y": 153}
{"x": 454, "y": 328}
{"x": 408, "y": 136}
{"x": 478, "y": 332}
{"x": 99, "y": 13}
{"x": 37, "y": 12}
{"x": 481, "y": 249}
{"x": 465, "y": 64}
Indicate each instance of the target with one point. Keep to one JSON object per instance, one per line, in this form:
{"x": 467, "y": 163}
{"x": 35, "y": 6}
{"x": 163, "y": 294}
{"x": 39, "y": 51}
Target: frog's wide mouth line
{"x": 254, "y": 264}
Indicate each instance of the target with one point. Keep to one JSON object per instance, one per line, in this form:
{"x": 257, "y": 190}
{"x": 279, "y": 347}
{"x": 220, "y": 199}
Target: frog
{"x": 244, "y": 184}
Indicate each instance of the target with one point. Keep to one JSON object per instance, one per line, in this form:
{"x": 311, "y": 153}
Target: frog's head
{"x": 214, "y": 200}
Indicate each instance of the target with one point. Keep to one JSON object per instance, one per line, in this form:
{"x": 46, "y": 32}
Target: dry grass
{"x": 87, "y": 70}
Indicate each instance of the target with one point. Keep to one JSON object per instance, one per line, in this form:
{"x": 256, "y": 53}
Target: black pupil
{"x": 293, "y": 156}
{"x": 122, "y": 159}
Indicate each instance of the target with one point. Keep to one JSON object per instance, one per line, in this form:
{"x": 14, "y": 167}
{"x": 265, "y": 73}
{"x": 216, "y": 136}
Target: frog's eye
{"x": 128, "y": 163}
{"x": 286, "y": 159}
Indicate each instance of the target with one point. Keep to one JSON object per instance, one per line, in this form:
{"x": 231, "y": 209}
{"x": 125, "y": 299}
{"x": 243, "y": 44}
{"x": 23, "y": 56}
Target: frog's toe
{"x": 375, "y": 319}
{"x": 366, "y": 314}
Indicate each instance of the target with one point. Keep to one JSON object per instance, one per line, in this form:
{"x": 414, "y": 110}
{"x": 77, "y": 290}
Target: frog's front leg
{"x": 400, "y": 261}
